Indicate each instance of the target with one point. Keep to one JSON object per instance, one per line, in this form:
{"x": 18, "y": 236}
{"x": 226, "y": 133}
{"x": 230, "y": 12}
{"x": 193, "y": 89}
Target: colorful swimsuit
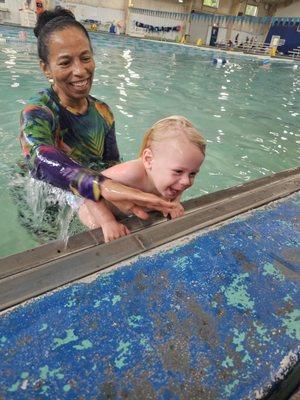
{"x": 66, "y": 149}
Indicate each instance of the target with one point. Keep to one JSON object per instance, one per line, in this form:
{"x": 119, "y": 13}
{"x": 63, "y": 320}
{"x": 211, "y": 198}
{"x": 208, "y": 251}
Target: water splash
{"x": 44, "y": 198}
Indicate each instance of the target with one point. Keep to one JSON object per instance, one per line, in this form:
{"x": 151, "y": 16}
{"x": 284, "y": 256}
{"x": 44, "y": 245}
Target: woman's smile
{"x": 81, "y": 85}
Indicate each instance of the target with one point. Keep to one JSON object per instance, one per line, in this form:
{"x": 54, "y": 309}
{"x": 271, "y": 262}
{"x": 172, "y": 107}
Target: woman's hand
{"x": 132, "y": 201}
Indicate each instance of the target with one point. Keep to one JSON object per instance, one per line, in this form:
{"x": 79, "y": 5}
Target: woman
{"x": 66, "y": 134}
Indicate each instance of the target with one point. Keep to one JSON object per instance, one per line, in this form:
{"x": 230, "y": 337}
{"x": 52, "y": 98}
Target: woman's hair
{"x": 173, "y": 126}
{"x": 51, "y": 21}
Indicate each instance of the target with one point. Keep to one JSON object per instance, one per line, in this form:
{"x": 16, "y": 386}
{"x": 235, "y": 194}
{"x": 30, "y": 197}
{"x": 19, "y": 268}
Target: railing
{"x": 295, "y": 53}
{"x": 257, "y": 48}
{"x": 253, "y": 48}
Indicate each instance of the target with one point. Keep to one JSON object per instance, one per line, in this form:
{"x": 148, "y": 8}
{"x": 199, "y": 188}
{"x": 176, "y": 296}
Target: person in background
{"x": 68, "y": 136}
{"x": 236, "y": 40}
{"x": 230, "y": 44}
{"x": 171, "y": 155}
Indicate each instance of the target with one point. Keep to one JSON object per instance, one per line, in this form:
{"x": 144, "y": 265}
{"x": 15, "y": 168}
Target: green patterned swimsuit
{"x": 66, "y": 149}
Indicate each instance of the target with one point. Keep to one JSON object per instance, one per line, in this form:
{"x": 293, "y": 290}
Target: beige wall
{"x": 115, "y": 9}
{"x": 114, "y": 4}
{"x": 13, "y": 16}
{"x": 161, "y": 5}
{"x": 224, "y": 7}
{"x": 293, "y": 10}
{"x": 262, "y": 10}
{"x": 104, "y": 14}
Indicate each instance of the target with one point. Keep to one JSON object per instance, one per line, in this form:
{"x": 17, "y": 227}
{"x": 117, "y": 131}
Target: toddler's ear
{"x": 147, "y": 158}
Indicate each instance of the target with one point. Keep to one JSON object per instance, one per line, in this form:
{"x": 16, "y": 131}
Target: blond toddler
{"x": 171, "y": 155}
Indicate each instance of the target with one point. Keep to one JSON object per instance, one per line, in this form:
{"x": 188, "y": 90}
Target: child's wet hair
{"x": 51, "y": 21}
{"x": 175, "y": 124}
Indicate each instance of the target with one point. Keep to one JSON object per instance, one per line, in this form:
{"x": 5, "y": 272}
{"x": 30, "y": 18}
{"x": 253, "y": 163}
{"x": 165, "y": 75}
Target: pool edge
{"x": 39, "y": 270}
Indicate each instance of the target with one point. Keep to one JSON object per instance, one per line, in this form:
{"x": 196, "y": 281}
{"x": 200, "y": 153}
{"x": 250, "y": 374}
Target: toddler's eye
{"x": 177, "y": 171}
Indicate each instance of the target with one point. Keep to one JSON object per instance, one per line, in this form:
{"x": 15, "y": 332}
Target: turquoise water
{"x": 248, "y": 113}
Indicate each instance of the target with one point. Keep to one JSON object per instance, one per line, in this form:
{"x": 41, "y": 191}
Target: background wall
{"x": 13, "y": 14}
{"x": 289, "y": 33}
{"x": 104, "y": 14}
{"x": 176, "y": 25}
{"x": 199, "y": 30}
{"x": 97, "y": 10}
{"x": 224, "y": 7}
{"x": 112, "y": 4}
{"x": 293, "y": 10}
{"x": 118, "y": 13}
{"x": 161, "y": 5}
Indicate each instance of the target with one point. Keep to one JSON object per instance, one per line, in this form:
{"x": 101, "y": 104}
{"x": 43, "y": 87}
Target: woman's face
{"x": 70, "y": 65}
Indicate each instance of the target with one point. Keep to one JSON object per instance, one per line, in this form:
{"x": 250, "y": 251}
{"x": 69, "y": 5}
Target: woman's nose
{"x": 78, "y": 68}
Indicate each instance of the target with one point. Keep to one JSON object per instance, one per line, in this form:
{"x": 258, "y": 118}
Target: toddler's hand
{"x": 177, "y": 212}
{"x": 113, "y": 230}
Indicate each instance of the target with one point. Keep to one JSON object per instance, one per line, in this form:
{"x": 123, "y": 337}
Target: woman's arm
{"x": 39, "y": 141}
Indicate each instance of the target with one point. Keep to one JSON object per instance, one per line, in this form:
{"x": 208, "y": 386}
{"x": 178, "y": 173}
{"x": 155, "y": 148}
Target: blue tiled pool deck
{"x": 215, "y": 315}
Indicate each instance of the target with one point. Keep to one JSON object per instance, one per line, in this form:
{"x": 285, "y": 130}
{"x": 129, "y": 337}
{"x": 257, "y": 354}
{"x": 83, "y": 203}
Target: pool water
{"x": 248, "y": 112}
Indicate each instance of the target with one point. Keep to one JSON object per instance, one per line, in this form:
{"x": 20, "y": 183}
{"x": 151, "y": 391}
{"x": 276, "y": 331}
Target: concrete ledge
{"x": 31, "y": 273}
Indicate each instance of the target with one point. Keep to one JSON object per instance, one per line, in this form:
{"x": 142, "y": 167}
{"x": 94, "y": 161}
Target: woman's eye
{"x": 64, "y": 64}
{"x": 86, "y": 59}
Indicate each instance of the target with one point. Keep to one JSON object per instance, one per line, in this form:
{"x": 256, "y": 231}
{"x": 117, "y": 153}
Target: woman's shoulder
{"x": 42, "y": 97}
{"x": 103, "y": 109}
{"x": 42, "y": 101}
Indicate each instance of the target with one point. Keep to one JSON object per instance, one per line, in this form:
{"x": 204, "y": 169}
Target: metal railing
{"x": 295, "y": 53}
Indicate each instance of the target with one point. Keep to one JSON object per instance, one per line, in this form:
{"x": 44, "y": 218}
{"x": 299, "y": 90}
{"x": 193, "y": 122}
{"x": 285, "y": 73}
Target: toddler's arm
{"x": 98, "y": 215}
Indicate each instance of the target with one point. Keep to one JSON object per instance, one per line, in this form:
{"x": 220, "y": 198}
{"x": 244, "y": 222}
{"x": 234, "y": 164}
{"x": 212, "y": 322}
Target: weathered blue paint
{"x": 215, "y": 316}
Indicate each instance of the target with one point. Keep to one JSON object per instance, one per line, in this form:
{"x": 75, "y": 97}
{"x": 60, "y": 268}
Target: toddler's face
{"x": 174, "y": 165}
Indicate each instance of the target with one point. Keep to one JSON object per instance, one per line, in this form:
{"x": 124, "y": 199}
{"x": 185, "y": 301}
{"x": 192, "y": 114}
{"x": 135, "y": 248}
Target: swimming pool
{"x": 249, "y": 113}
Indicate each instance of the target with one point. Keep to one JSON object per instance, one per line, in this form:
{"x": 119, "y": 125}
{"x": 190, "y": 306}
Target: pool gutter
{"x": 42, "y": 269}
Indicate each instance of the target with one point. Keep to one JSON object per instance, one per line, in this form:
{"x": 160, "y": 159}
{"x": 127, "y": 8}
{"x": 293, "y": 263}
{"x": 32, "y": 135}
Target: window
{"x": 211, "y": 3}
{"x": 251, "y": 10}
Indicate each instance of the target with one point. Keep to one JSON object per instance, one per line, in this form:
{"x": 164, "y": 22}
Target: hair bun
{"x": 49, "y": 15}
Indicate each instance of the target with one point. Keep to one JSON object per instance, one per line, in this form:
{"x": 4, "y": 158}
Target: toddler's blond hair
{"x": 178, "y": 124}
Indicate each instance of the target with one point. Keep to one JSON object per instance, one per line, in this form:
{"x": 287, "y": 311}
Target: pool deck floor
{"x": 212, "y": 312}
